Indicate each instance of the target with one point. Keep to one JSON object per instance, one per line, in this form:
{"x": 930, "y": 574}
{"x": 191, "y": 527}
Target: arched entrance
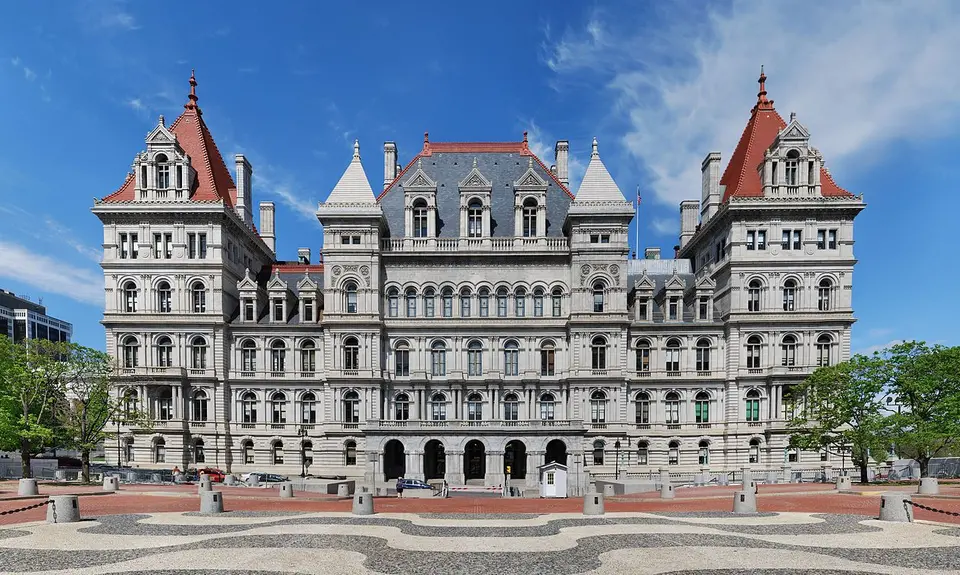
{"x": 474, "y": 460}
{"x": 394, "y": 460}
{"x": 434, "y": 460}
{"x": 556, "y": 451}
{"x": 515, "y": 457}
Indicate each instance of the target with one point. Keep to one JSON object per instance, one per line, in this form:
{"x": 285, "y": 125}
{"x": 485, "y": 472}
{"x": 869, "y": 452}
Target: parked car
{"x": 216, "y": 475}
{"x": 415, "y": 484}
{"x": 263, "y": 477}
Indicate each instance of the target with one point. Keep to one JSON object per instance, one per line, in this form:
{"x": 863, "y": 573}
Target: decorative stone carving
{"x": 615, "y": 271}
{"x": 337, "y": 270}
{"x": 364, "y": 270}
{"x": 585, "y": 269}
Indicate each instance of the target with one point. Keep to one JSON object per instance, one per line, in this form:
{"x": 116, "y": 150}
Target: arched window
{"x": 643, "y": 356}
{"x": 199, "y": 405}
{"x": 351, "y": 407}
{"x": 199, "y": 297}
{"x": 278, "y": 408}
{"x": 703, "y": 455}
{"x": 703, "y": 354}
{"x": 278, "y": 357}
{"x": 823, "y": 294}
{"x": 420, "y": 212}
{"x": 511, "y": 358}
{"x": 643, "y": 450}
{"x": 438, "y": 359}
{"x": 790, "y": 295}
{"x": 529, "y": 218}
{"x": 308, "y": 357}
{"x": 248, "y": 357}
{"x": 165, "y": 404}
{"x": 278, "y": 453}
{"x": 130, "y": 398}
{"x": 248, "y": 454}
{"x": 556, "y": 298}
{"x": 673, "y": 355}
{"x": 465, "y": 297}
{"x": 598, "y": 353}
{"x": 429, "y": 302}
{"x": 598, "y": 407}
{"x": 401, "y": 359}
{"x": 520, "y": 302}
{"x": 672, "y": 408}
{"x": 248, "y": 406}
{"x": 438, "y": 407}
{"x": 393, "y": 302}
{"x": 790, "y": 167}
{"x": 350, "y": 296}
{"x": 411, "y": 297}
{"x": 447, "y": 297}
{"x": 351, "y": 354}
{"x": 308, "y": 408}
{"x": 164, "y": 297}
{"x": 753, "y": 351}
{"x": 401, "y": 404}
{"x": 788, "y": 350}
{"x": 548, "y": 358}
{"x": 643, "y": 408}
{"x": 753, "y": 295}
{"x": 475, "y": 219}
{"x": 474, "y": 407}
{"x": 598, "y": 452}
{"x": 198, "y": 454}
{"x": 198, "y": 352}
{"x": 350, "y": 452}
{"x": 163, "y": 172}
{"x": 475, "y": 358}
{"x": 701, "y": 407}
{"x": 483, "y": 299}
{"x": 752, "y": 404}
{"x": 159, "y": 450}
{"x": 824, "y": 344}
{"x": 131, "y": 351}
{"x": 128, "y": 451}
{"x": 673, "y": 453}
{"x": 538, "y": 302}
{"x": 598, "y": 297}
{"x": 164, "y": 351}
{"x": 130, "y": 297}
{"x": 548, "y": 405}
{"x": 306, "y": 453}
{"x": 511, "y": 407}
{"x": 502, "y": 302}
{"x": 754, "y": 451}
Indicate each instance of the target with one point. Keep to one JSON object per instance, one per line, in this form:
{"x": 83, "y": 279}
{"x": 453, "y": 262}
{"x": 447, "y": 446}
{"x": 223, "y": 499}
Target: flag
{"x": 638, "y": 195}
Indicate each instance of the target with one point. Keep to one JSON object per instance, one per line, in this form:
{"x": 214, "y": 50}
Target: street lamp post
{"x": 302, "y": 432}
{"x": 616, "y": 445}
{"x": 576, "y": 461}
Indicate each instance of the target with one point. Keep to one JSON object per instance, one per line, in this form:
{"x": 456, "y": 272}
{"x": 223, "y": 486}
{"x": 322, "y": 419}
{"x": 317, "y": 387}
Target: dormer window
{"x": 163, "y": 172}
{"x": 278, "y": 312}
{"x": 308, "y": 309}
{"x": 249, "y": 310}
{"x": 420, "y": 220}
{"x": 475, "y": 219}
{"x": 529, "y": 218}
{"x": 673, "y": 308}
{"x": 792, "y": 167}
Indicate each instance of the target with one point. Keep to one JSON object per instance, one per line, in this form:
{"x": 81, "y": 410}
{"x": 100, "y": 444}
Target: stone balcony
{"x": 476, "y": 245}
{"x": 486, "y": 425}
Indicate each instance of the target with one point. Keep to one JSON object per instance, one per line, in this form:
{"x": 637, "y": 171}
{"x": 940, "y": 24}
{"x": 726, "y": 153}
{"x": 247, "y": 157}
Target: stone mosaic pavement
{"x": 480, "y": 544}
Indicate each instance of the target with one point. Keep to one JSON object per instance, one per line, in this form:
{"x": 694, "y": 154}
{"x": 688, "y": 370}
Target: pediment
{"x": 160, "y": 134}
{"x": 475, "y": 180}
{"x": 420, "y": 180}
{"x": 704, "y": 282}
{"x": 306, "y": 283}
{"x": 248, "y": 283}
{"x": 675, "y": 283}
{"x": 530, "y": 179}
{"x": 795, "y": 131}
{"x": 644, "y": 283}
{"x": 276, "y": 284}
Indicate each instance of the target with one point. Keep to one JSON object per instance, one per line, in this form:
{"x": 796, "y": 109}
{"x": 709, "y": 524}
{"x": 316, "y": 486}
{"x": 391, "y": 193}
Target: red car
{"x": 216, "y": 475}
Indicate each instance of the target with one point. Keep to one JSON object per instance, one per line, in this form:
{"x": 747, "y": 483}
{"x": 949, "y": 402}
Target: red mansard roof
{"x": 741, "y": 177}
{"x": 429, "y": 148}
{"x": 214, "y": 182}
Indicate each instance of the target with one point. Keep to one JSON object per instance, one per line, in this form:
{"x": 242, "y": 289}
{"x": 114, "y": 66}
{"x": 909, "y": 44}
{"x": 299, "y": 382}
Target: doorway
{"x": 394, "y": 460}
{"x": 515, "y": 457}
{"x": 434, "y": 460}
{"x": 474, "y": 457}
{"x": 556, "y": 452}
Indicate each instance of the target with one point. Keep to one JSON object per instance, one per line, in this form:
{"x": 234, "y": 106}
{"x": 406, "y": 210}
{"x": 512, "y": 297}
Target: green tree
{"x": 32, "y": 378}
{"x": 841, "y": 408}
{"x": 926, "y": 383}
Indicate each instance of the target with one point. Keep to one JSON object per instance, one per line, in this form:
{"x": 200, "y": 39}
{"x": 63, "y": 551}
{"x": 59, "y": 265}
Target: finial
{"x": 160, "y": 121}
{"x": 192, "y": 98}
{"x": 530, "y": 162}
{"x": 524, "y": 135}
{"x": 594, "y": 153}
{"x": 793, "y": 116}
{"x": 762, "y": 102}
{"x": 426, "y": 137}
{"x": 356, "y": 149}
{"x": 420, "y": 163}
{"x": 474, "y": 161}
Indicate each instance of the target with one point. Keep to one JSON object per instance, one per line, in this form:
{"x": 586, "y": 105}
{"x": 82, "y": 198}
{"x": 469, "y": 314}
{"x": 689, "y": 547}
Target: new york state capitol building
{"x": 473, "y": 313}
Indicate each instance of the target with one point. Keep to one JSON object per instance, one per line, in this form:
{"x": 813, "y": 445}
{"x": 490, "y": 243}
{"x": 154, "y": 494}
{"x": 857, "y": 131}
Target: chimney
{"x": 560, "y": 154}
{"x": 389, "y": 163}
{"x": 267, "y": 232}
{"x": 651, "y": 254}
{"x": 244, "y": 189}
{"x": 688, "y": 220}
{"x": 710, "y": 186}
{"x": 303, "y": 256}
{"x": 676, "y": 252}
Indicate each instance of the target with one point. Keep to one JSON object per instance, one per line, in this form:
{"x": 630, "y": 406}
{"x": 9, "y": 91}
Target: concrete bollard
{"x": 593, "y": 504}
{"x": 362, "y": 503}
{"x": 111, "y": 484}
{"x": 28, "y": 486}
{"x": 343, "y": 490}
{"x": 63, "y": 509}
{"x": 204, "y": 485}
{"x": 131, "y": 477}
{"x": 229, "y": 479}
{"x": 666, "y": 491}
{"x": 211, "y": 502}
{"x": 929, "y": 486}
{"x": 844, "y": 483}
{"x": 609, "y": 490}
{"x": 60, "y": 474}
{"x": 787, "y": 474}
{"x": 895, "y": 506}
{"x": 286, "y": 490}
{"x": 745, "y": 501}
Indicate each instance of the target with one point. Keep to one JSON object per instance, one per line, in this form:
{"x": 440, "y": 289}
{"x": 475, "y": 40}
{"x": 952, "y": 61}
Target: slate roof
{"x": 660, "y": 272}
{"x": 291, "y": 273}
{"x": 502, "y": 163}
{"x": 353, "y": 187}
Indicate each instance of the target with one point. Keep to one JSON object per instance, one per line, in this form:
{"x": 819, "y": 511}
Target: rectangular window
{"x": 202, "y": 246}
{"x": 308, "y": 309}
{"x": 511, "y": 362}
{"x": 447, "y": 305}
{"x": 179, "y": 177}
{"x": 704, "y": 303}
{"x": 428, "y": 303}
{"x": 520, "y": 305}
{"x": 821, "y": 239}
{"x": 123, "y": 246}
{"x": 722, "y": 250}
{"x": 761, "y": 239}
{"x": 168, "y": 246}
{"x": 134, "y": 246}
{"x": 785, "y": 240}
{"x": 356, "y": 240}
{"x": 594, "y": 238}
{"x": 642, "y": 308}
{"x": 810, "y": 173}
{"x": 674, "y": 308}
{"x": 832, "y": 239}
{"x": 157, "y": 246}
{"x": 278, "y": 310}
{"x": 751, "y": 240}
{"x": 557, "y": 305}
{"x": 345, "y": 240}
{"x": 475, "y": 362}
{"x": 484, "y": 305}
{"x": 501, "y": 306}
{"x": 248, "y": 310}
{"x": 191, "y": 246}
{"x": 547, "y": 362}
{"x": 773, "y": 174}
{"x": 402, "y": 358}
{"x": 464, "y": 306}
{"x": 538, "y": 305}
{"x": 796, "y": 239}
{"x": 604, "y": 238}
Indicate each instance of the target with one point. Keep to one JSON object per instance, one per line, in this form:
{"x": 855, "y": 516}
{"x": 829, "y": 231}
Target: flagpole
{"x": 636, "y": 252}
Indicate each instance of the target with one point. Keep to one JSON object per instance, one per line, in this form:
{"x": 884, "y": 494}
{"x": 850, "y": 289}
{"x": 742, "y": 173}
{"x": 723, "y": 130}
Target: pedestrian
{"x": 400, "y": 487}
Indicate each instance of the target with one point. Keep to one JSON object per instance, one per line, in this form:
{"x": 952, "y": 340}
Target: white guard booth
{"x": 553, "y": 480}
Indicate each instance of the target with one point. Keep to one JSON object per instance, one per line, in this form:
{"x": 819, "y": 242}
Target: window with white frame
{"x": 278, "y": 357}
{"x": 164, "y": 297}
{"x": 548, "y": 359}
{"x": 703, "y": 307}
{"x": 643, "y": 408}
{"x": 420, "y": 218}
{"x": 164, "y": 352}
{"x": 511, "y": 407}
{"x": 248, "y": 454}
{"x": 465, "y": 300}
{"x": 703, "y": 452}
{"x": 475, "y": 359}
{"x": 788, "y": 351}
{"x": 474, "y": 407}
{"x": 351, "y": 407}
{"x": 673, "y": 453}
{"x": 511, "y": 358}
{"x": 475, "y": 219}
{"x": 350, "y": 453}
{"x": 753, "y": 295}
{"x": 791, "y": 239}
{"x": 438, "y": 407}
{"x": 393, "y": 302}
{"x": 483, "y": 301}
{"x": 824, "y": 345}
{"x": 401, "y": 360}
{"x": 756, "y": 240}
{"x": 248, "y": 356}
{"x": 598, "y": 353}
{"x": 753, "y": 351}
{"x": 447, "y": 299}
{"x": 198, "y": 352}
{"x": 308, "y": 357}
{"x": 643, "y": 451}
{"x": 438, "y": 359}
{"x": 248, "y": 407}
{"x": 548, "y": 405}
{"x": 598, "y": 452}
{"x": 673, "y": 355}
{"x": 199, "y": 455}
{"x": 752, "y": 405}
{"x": 278, "y": 408}
{"x": 429, "y": 302}
{"x": 351, "y": 354}
{"x": 401, "y": 407}
{"x": 598, "y": 407}
{"x": 502, "y": 302}
{"x": 159, "y": 450}
{"x": 411, "y": 299}
{"x": 350, "y": 297}
{"x": 701, "y": 407}
{"x": 824, "y": 290}
{"x": 199, "y": 405}
{"x": 278, "y": 309}
{"x": 754, "y": 451}
{"x": 703, "y": 354}
{"x": 199, "y": 297}
{"x": 278, "y": 453}
{"x": 165, "y": 410}
{"x": 673, "y": 308}
{"x": 308, "y": 408}
{"x": 790, "y": 295}
{"x": 598, "y": 297}
{"x": 557, "y": 302}
{"x": 131, "y": 351}
{"x": 672, "y": 408}
{"x": 643, "y": 356}
{"x": 520, "y": 302}
{"x": 538, "y": 302}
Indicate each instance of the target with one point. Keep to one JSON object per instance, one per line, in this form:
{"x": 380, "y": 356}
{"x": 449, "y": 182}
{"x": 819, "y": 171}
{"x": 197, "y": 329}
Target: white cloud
{"x": 302, "y": 207}
{"x": 50, "y": 275}
{"x": 67, "y": 236}
{"x": 29, "y": 74}
{"x": 869, "y": 350}
{"x": 665, "y": 226}
{"x": 542, "y": 144}
{"x": 858, "y": 74}
{"x": 136, "y": 104}
{"x": 15, "y": 61}
{"x": 118, "y": 19}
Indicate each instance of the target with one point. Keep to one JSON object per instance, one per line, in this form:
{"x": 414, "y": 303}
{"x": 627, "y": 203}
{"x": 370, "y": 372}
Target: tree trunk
{"x": 85, "y": 464}
{"x": 924, "y": 465}
{"x": 25, "y": 454}
{"x": 863, "y": 472}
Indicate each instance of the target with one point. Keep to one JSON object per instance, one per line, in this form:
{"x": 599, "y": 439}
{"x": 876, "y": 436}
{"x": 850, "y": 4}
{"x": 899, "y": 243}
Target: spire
{"x": 593, "y": 152}
{"x": 353, "y": 187}
{"x": 762, "y": 102}
{"x": 356, "y": 149}
{"x": 192, "y": 98}
{"x": 597, "y": 184}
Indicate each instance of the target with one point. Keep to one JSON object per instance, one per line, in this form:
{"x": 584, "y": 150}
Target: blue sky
{"x": 659, "y": 84}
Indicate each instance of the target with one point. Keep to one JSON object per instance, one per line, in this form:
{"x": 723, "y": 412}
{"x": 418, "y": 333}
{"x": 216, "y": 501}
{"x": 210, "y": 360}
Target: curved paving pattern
{"x": 617, "y": 543}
